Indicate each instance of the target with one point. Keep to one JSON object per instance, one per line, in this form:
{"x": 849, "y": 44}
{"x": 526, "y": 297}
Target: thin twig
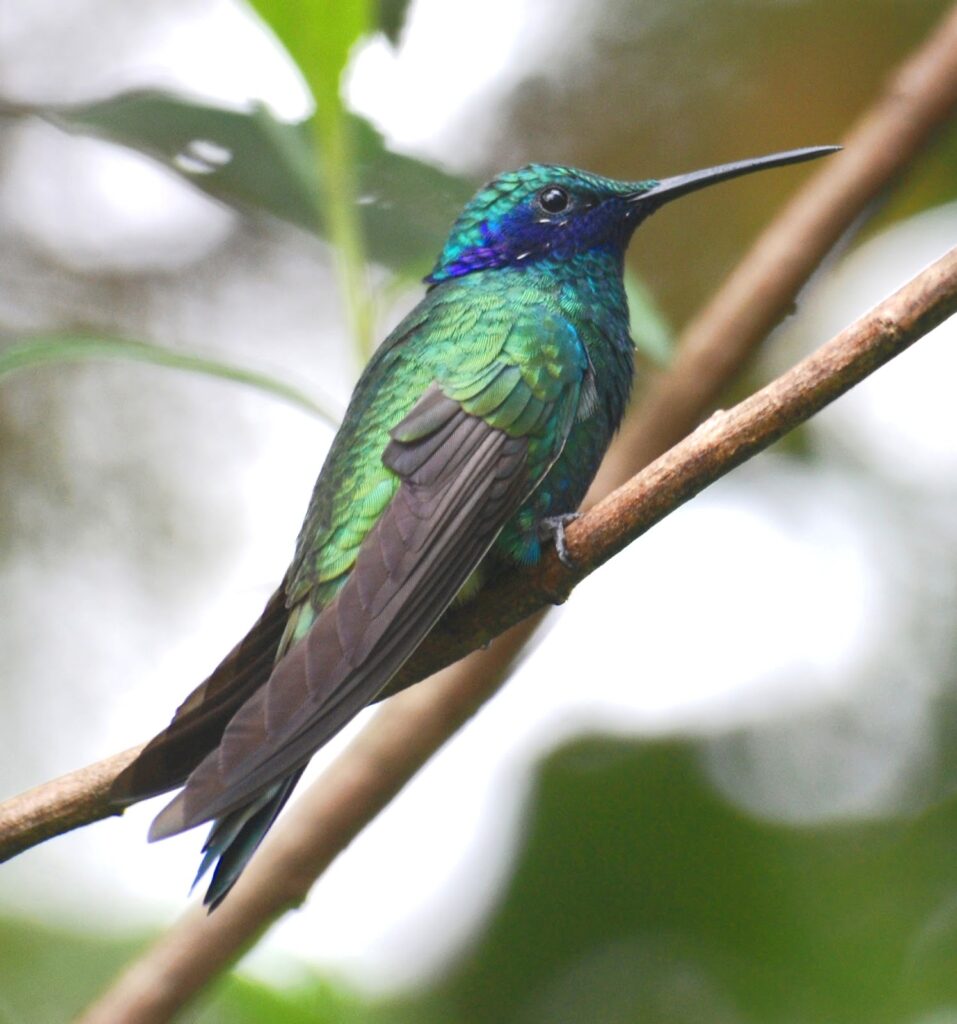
{"x": 412, "y": 726}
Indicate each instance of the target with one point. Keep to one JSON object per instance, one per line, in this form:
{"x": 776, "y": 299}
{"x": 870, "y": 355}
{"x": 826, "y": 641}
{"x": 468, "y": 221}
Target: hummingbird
{"x": 468, "y": 443}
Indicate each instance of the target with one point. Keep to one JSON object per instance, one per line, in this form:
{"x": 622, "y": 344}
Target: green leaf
{"x": 52, "y": 349}
{"x": 50, "y": 974}
{"x": 319, "y": 35}
{"x": 257, "y": 161}
{"x": 653, "y": 334}
{"x": 640, "y": 894}
{"x": 406, "y": 206}
{"x": 390, "y": 17}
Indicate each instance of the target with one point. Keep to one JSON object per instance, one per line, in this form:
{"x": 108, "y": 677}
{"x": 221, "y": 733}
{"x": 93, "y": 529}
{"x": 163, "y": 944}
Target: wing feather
{"x": 461, "y": 480}
{"x": 199, "y": 722}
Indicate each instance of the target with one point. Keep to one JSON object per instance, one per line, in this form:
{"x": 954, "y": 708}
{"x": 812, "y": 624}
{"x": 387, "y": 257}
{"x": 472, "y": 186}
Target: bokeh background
{"x": 721, "y": 788}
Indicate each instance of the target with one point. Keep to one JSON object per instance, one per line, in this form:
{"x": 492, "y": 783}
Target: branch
{"x": 59, "y": 806}
{"x": 412, "y": 726}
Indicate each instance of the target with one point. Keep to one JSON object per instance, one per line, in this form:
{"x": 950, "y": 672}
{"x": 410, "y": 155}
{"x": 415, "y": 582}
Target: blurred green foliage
{"x": 319, "y": 35}
{"x": 638, "y": 880}
{"x": 74, "y": 348}
{"x": 47, "y": 974}
{"x": 258, "y": 164}
{"x": 390, "y": 15}
{"x": 638, "y": 894}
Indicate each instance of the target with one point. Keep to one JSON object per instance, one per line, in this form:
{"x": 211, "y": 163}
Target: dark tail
{"x": 196, "y": 729}
{"x": 234, "y": 839}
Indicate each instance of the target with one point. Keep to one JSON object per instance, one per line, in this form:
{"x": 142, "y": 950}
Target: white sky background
{"x": 722, "y": 644}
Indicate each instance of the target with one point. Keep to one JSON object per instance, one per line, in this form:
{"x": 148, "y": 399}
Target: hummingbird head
{"x": 546, "y": 211}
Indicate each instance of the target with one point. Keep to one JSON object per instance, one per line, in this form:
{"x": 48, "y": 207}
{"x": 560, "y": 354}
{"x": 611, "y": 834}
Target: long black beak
{"x": 681, "y": 184}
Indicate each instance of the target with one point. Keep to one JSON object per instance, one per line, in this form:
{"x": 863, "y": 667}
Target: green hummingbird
{"x": 470, "y": 439}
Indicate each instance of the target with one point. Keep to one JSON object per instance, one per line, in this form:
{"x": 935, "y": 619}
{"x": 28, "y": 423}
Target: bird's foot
{"x": 553, "y": 528}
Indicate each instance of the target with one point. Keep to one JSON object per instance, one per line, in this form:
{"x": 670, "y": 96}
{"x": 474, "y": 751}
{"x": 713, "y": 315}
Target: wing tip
{"x": 170, "y": 821}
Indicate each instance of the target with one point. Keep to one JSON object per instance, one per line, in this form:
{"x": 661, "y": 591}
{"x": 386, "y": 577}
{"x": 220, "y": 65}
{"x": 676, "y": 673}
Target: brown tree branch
{"x": 416, "y": 723}
{"x": 59, "y": 806}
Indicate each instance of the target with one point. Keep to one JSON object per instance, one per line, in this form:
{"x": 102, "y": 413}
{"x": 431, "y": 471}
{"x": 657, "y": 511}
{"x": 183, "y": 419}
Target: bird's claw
{"x": 553, "y": 528}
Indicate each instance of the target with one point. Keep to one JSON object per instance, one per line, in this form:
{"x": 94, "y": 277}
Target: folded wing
{"x": 198, "y": 725}
{"x": 461, "y": 479}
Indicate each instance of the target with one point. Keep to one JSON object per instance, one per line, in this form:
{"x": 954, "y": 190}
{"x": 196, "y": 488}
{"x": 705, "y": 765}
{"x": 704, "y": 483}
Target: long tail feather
{"x": 234, "y": 839}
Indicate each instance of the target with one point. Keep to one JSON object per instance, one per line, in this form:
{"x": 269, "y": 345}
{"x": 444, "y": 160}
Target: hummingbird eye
{"x": 553, "y": 199}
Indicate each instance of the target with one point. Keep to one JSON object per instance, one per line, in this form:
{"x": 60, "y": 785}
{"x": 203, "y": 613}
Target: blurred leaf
{"x": 248, "y": 160}
{"x": 49, "y": 975}
{"x": 653, "y": 334}
{"x": 319, "y": 36}
{"x": 45, "y": 350}
{"x": 641, "y": 895}
{"x": 407, "y": 207}
{"x": 253, "y": 162}
{"x": 390, "y": 17}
